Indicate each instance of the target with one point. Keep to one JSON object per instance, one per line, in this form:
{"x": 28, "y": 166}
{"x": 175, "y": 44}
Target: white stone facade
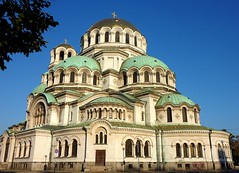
{"x": 111, "y": 107}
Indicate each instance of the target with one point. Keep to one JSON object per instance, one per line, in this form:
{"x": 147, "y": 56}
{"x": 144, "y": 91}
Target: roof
{"x": 174, "y": 99}
{"x": 111, "y": 22}
{"x": 181, "y": 127}
{"x": 49, "y": 98}
{"x": 65, "y": 45}
{"x": 40, "y": 88}
{"x": 141, "y": 61}
{"x": 79, "y": 62}
{"x": 111, "y": 100}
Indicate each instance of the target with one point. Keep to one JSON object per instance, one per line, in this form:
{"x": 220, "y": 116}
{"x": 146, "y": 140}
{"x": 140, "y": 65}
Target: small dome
{"x": 174, "y": 99}
{"x": 65, "y": 45}
{"x": 111, "y": 22}
{"x": 79, "y": 62}
{"x": 140, "y": 61}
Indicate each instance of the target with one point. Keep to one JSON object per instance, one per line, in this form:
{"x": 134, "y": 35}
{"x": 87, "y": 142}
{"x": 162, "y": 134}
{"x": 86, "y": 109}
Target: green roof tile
{"x": 49, "y": 97}
{"x": 39, "y": 89}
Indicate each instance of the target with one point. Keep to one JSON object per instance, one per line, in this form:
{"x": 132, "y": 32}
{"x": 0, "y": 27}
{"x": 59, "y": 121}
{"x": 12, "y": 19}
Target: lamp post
{"x": 210, "y": 142}
{"x": 123, "y": 159}
{"x": 45, "y": 166}
{"x": 138, "y": 148}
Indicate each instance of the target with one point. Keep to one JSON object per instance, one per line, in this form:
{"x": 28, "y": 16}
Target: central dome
{"x": 111, "y": 22}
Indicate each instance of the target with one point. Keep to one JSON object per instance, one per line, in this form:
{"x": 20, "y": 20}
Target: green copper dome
{"x": 174, "y": 99}
{"x": 111, "y": 22}
{"x": 141, "y": 61}
{"x": 109, "y": 100}
{"x": 39, "y": 89}
{"x": 79, "y": 62}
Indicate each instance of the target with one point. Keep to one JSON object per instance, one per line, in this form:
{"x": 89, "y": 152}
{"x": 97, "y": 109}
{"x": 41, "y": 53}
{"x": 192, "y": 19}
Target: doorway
{"x": 100, "y": 158}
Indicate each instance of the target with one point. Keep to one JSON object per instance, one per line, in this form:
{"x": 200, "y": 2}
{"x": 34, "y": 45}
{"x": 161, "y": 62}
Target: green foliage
{"x": 22, "y": 24}
{"x": 234, "y": 142}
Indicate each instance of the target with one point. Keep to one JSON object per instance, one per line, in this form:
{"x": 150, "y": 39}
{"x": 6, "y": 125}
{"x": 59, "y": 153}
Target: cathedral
{"x": 111, "y": 107}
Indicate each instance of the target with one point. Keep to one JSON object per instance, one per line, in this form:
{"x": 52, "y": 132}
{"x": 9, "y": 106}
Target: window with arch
{"x": 138, "y": 148}
{"x": 74, "y": 148}
{"x": 61, "y": 55}
{"x": 127, "y": 38}
{"x": 117, "y": 36}
{"x": 66, "y": 148}
{"x": 101, "y": 136}
{"x": 72, "y": 77}
{"x": 185, "y": 150}
{"x": 84, "y": 77}
{"x": 6, "y": 150}
{"x": 147, "y": 149}
{"x": 169, "y": 115}
{"x": 178, "y": 150}
{"x": 135, "y": 77}
{"x": 97, "y": 38}
{"x": 135, "y": 41}
{"x": 107, "y": 35}
{"x": 69, "y": 54}
{"x": 52, "y": 76}
{"x": 39, "y": 114}
{"x": 20, "y": 149}
{"x": 89, "y": 40}
{"x": 195, "y": 116}
{"x": 193, "y": 150}
{"x": 146, "y": 76}
{"x": 125, "y": 78}
{"x": 167, "y": 78}
{"x": 199, "y": 149}
{"x": 30, "y": 148}
{"x": 59, "y": 148}
{"x": 95, "y": 80}
{"x": 129, "y": 148}
{"x": 184, "y": 113}
{"x": 157, "y": 76}
{"x": 61, "y": 77}
{"x": 24, "y": 149}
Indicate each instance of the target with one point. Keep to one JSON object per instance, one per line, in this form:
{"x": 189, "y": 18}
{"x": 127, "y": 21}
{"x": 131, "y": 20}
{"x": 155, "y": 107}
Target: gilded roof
{"x": 65, "y": 45}
{"x": 79, "y": 62}
{"x": 141, "y": 61}
{"x": 174, "y": 99}
{"x": 111, "y": 22}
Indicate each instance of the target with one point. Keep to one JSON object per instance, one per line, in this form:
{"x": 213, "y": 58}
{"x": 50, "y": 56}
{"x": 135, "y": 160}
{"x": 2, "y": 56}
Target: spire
{"x": 114, "y": 14}
{"x": 66, "y": 41}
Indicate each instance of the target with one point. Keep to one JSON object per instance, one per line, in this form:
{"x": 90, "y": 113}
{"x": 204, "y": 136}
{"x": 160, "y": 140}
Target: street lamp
{"x": 123, "y": 159}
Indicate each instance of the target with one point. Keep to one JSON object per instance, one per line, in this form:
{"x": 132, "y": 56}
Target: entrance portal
{"x": 100, "y": 158}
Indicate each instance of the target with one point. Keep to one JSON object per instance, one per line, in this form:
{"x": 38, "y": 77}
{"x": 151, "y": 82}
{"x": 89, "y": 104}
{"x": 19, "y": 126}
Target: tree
{"x": 22, "y": 24}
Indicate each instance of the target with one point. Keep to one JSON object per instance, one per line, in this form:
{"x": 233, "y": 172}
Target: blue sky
{"x": 197, "y": 39}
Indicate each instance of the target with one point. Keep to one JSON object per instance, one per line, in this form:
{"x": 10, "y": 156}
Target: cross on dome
{"x": 114, "y": 15}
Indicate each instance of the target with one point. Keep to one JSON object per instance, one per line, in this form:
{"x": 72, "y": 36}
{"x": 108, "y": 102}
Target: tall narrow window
{"x": 6, "y": 150}
{"x": 157, "y": 77}
{"x": 169, "y": 114}
{"x": 95, "y": 80}
{"x": 60, "y": 148}
{"x": 117, "y": 37}
{"x": 74, "y": 148}
{"x": 20, "y": 149}
{"x": 61, "y": 77}
{"x": 84, "y": 77}
{"x": 195, "y": 116}
{"x": 135, "y": 41}
{"x": 30, "y": 148}
{"x": 185, "y": 150}
{"x": 178, "y": 150}
{"x": 125, "y": 78}
{"x": 97, "y": 36}
{"x": 127, "y": 38}
{"x": 129, "y": 148}
{"x": 52, "y": 76}
{"x": 66, "y": 148}
{"x": 138, "y": 148}
{"x": 72, "y": 77}
{"x": 167, "y": 79}
{"x": 199, "y": 149}
{"x": 193, "y": 150}
{"x": 101, "y": 137}
{"x": 89, "y": 40}
{"x": 107, "y": 37}
{"x": 146, "y": 76}
{"x": 147, "y": 149}
{"x": 184, "y": 112}
{"x": 24, "y": 149}
{"x": 69, "y": 54}
{"x": 135, "y": 77}
{"x": 61, "y": 55}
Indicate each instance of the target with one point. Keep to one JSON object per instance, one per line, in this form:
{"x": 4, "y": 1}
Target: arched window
{"x": 20, "y": 149}
{"x": 146, "y": 76}
{"x": 101, "y": 136}
{"x": 30, "y": 148}
{"x": 169, "y": 114}
{"x": 195, "y": 116}
{"x": 60, "y": 148}
{"x": 193, "y": 150}
{"x": 167, "y": 79}
{"x": 125, "y": 78}
{"x": 74, "y": 148}
{"x": 84, "y": 77}
{"x": 127, "y": 38}
{"x": 199, "y": 149}
{"x": 135, "y": 41}
{"x": 157, "y": 77}
{"x": 138, "y": 148}
{"x": 39, "y": 114}
{"x": 95, "y": 80}
{"x": 147, "y": 149}
{"x": 129, "y": 148}
{"x": 184, "y": 112}
{"x": 6, "y": 150}
{"x": 135, "y": 77}
{"x": 185, "y": 150}
{"x": 69, "y": 54}
{"x": 61, "y": 77}
{"x": 117, "y": 37}
{"x": 66, "y": 148}
{"x": 88, "y": 39}
{"x": 61, "y": 55}
{"x": 178, "y": 150}
{"x": 52, "y": 76}
{"x": 72, "y": 77}
{"x": 24, "y": 149}
{"x": 107, "y": 36}
{"x": 97, "y": 38}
